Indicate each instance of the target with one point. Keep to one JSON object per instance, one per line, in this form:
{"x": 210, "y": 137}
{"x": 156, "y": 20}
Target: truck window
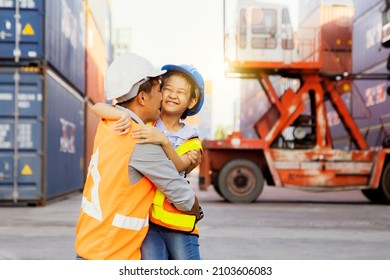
{"x": 264, "y": 22}
{"x": 243, "y": 26}
{"x": 287, "y": 32}
{"x": 285, "y": 16}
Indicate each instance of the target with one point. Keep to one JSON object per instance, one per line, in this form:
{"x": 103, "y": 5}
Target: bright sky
{"x": 184, "y": 31}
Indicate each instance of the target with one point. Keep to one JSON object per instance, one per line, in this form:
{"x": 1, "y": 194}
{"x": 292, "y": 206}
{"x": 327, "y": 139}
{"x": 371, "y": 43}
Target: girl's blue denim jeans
{"x": 164, "y": 244}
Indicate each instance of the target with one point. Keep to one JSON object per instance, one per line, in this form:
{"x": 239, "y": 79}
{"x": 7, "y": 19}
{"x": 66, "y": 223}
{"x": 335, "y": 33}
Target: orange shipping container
{"x": 91, "y": 124}
{"x": 329, "y": 31}
{"x": 96, "y": 60}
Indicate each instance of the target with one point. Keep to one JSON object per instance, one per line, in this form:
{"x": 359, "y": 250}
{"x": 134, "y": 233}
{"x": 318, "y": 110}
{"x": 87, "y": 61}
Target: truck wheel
{"x": 240, "y": 181}
{"x": 214, "y": 182}
{"x": 384, "y": 185}
{"x": 373, "y": 195}
{"x": 216, "y": 188}
{"x": 381, "y": 195}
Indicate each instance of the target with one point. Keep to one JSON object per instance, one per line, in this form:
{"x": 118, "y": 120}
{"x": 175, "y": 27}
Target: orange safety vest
{"x": 114, "y": 213}
{"x": 164, "y": 213}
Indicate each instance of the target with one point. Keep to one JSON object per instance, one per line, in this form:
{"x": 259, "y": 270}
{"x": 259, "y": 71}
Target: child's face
{"x": 176, "y": 94}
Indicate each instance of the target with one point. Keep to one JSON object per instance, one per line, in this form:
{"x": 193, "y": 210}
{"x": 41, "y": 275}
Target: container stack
{"x": 254, "y": 102}
{"x": 42, "y": 91}
{"x": 325, "y": 33}
{"x": 368, "y": 101}
{"x": 370, "y": 58}
{"x": 98, "y": 57}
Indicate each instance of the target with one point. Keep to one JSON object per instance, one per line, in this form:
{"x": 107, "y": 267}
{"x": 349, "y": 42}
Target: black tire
{"x": 214, "y": 182}
{"x": 384, "y": 184}
{"x": 381, "y": 195}
{"x": 373, "y": 195}
{"x": 216, "y": 188}
{"x": 240, "y": 181}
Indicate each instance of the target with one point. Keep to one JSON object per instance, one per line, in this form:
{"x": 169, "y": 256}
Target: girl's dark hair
{"x": 193, "y": 87}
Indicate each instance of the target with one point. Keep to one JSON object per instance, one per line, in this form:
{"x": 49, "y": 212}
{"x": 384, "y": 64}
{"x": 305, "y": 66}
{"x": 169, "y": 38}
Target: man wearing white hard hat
{"x": 122, "y": 175}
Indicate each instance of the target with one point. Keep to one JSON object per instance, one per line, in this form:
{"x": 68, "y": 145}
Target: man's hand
{"x": 195, "y": 210}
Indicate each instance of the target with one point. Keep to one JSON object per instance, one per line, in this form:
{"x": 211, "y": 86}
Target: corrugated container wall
{"x": 65, "y": 39}
{"x": 367, "y": 49}
{"x": 101, "y": 12}
{"x": 98, "y": 57}
{"x": 64, "y": 137}
{"x": 59, "y": 24}
{"x": 31, "y": 43}
{"x": 362, "y": 6}
{"x": 46, "y": 105}
{"x": 369, "y": 101}
{"x": 254, "y": 102}
{"x": 369, "y": 105}
{"x": 308, "y": 7}
{"x": 23, "y": 153}
{"x": 97, "y": 42}
{"x": 325, "y": 34}
{"x": 374, "y": 104}
{"x": 91, "y": 123}
{"x": 48, "y": 152}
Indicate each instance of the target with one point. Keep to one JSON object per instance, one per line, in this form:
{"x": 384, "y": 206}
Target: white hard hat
{"x": 125, "y": 75}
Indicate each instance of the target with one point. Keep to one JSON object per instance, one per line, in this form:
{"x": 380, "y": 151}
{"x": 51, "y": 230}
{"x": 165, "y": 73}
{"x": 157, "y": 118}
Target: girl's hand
{"x": 150, "y": 134}
{"x": 195, "y": 157}
{"x": 123, "y": 125}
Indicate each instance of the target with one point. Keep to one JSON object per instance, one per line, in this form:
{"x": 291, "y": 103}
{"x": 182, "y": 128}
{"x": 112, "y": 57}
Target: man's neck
{"x": 136, "y": 111}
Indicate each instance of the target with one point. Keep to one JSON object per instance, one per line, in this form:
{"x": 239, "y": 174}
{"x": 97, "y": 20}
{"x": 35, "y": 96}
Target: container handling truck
{"x": 294, "y": 147}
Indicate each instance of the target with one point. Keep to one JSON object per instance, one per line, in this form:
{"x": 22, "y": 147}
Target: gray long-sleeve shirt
{"x": 150, "y": 160}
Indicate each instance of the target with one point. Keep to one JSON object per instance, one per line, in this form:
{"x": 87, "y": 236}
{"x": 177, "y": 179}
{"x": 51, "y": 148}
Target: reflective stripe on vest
{"x": 114, "y": 214}
{"x": 164, "y": 213}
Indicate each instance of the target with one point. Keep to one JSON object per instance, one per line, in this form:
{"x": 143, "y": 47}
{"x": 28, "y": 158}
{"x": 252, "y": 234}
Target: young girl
{"x": 172, "y": 234}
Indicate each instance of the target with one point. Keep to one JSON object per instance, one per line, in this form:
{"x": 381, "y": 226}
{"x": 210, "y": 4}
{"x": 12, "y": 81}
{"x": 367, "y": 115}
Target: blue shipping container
{"x": 373, "y": 138}
{"x": 374, "y": 103}
{"x": 336, "y": 126}
{"x": 49, "y": 152}
{"x": 366, "y": 41}
{"x": 363, "y": 6}
{"x": 64, "y": 145}
{"x": 59, "y": 24}
{"x": 28, "y": 155}
{"x": 31, "y": 30}
{"x": 369, "y": 106}
{"x": 308, "y": 7}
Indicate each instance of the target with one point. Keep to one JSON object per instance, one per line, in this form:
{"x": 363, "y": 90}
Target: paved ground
{"x": 282, "y": 224}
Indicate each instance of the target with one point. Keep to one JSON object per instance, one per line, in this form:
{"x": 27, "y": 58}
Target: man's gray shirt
{"x": 150, "y": 160}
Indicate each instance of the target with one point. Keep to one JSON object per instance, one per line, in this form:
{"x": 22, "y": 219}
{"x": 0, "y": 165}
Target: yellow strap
{"x": 189, "y": 145}
{"x": 182, "y": 220}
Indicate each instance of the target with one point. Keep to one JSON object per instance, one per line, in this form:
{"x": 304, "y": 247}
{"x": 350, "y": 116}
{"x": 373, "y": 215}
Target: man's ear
{"x": 141, "y": 98}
